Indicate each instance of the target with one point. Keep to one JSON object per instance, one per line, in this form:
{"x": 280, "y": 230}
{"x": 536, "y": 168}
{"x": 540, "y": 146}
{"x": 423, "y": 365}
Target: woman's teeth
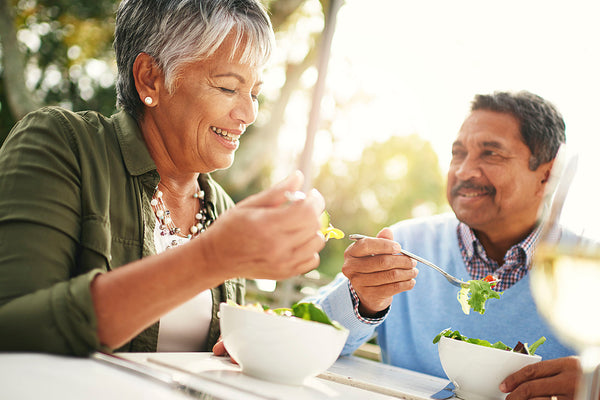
{"x": 224, "y": 134}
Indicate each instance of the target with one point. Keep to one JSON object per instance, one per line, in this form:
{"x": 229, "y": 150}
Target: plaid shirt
{"x": 517, "y": 261}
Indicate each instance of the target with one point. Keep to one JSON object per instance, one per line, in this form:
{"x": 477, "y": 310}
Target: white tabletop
{"x": 42, "y": 376}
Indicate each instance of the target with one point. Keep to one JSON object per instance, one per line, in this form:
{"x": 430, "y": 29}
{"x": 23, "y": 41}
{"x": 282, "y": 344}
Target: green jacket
{"x": 75, "y": 192}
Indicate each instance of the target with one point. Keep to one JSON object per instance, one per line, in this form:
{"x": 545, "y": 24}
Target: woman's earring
{"x": 148, "y": 100}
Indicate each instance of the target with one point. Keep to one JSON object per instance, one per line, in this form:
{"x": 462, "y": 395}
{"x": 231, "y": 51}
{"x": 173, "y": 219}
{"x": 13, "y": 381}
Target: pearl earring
{"x": 148, "y": 100}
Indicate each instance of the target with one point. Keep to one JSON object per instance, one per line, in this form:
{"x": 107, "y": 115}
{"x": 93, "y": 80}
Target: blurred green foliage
{"x": 393, "y": 180}
{"x": 67, "y": 50}
{"x": 67, "y": 47}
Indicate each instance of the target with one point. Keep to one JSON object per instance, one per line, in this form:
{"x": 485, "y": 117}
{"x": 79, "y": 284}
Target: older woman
{"x": 112, "y": 235}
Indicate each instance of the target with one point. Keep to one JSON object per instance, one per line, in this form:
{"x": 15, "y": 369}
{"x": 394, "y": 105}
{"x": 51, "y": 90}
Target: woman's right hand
{"x": 267, "y": 236}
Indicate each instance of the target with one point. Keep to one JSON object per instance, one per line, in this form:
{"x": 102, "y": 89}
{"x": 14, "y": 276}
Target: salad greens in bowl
{"x": 519, "y": 347}
{"x": 288, "y": 345}
{"x": 476, "y": 367}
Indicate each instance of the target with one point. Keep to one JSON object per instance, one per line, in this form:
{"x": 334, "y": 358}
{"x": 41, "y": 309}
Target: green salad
{"x": 519, "y": 347}
{"x": 306, "y": 311}
{"x": 477, "y": 293}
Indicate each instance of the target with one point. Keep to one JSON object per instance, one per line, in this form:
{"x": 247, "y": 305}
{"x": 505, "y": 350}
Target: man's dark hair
{"x": 542, "y": 125}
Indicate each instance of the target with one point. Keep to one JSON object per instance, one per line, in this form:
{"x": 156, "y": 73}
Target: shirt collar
{"x": 467, "y": 238}
{"x": 472, "y": 245}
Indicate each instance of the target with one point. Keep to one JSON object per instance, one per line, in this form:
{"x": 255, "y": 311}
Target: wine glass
{"x": 565, "y": 278}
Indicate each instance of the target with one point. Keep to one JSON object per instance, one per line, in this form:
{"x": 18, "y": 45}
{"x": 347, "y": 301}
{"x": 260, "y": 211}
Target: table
{"x": 48, "y": 377}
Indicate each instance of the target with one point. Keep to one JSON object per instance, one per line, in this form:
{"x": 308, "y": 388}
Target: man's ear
{"x": 547, "y": 169}
{"x": 148, "y": 79}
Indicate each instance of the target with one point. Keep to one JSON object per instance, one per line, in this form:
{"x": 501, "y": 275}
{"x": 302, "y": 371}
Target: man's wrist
{"x": 366, "y": 313}
{"x": 374, "y": 319}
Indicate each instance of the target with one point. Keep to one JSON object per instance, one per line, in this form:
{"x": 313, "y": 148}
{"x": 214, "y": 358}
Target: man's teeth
{"x": 472, "y": 194}
{"x": 223, "y": 133}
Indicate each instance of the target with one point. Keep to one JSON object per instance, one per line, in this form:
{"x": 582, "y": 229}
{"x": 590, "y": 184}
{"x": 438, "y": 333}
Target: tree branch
{"x": 20, "y": 99}
{"x": 281, "y": 10}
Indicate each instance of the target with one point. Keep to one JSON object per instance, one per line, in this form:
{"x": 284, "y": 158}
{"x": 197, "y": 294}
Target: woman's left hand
{"x": 556, "y": 379}
{"x": 220, "y": 350}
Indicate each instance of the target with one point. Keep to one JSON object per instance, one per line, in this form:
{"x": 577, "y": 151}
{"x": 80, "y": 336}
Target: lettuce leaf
{"x": 307, "y": 311}
{"x": 475, "y": 295}
{"x": 327, "y": 229}
{"x": 312, "y": 312}
{"x": 536, "y": 344}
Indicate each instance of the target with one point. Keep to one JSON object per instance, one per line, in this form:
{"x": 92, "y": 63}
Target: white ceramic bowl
{"x": 477, "y": 371}
{"x": 279, "y": 349}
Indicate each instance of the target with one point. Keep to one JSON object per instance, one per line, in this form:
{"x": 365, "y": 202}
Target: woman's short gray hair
{"x": 178, "y": 32}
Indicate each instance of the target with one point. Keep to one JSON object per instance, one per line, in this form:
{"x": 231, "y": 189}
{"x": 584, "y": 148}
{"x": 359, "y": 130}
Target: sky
{"x": 414, "y": 67}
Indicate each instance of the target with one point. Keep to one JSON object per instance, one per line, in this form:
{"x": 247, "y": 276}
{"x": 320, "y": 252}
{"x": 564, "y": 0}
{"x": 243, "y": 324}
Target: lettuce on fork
{"x": 327, "y": 229}
{"x": 477, "y": 293}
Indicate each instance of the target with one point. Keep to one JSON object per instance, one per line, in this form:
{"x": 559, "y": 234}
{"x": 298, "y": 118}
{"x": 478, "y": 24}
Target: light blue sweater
{"x": 417, "y": 316}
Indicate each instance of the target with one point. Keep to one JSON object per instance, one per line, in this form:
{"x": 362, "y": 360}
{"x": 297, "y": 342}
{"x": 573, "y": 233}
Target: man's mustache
{"x": 469, "y": 185}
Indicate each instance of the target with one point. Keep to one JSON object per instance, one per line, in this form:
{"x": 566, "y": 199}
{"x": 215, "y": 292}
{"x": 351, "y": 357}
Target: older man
{"x": 501, "y": 161}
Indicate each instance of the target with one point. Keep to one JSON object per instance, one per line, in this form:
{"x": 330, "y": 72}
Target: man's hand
{"x": 376, "y": 273}
{"x": 558, "y": 377}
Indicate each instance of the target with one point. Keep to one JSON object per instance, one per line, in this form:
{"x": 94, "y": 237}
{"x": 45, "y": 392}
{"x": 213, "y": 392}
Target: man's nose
{"x": 468, "y": 168}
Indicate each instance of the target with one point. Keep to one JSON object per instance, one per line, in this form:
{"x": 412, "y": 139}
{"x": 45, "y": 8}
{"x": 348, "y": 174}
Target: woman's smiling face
{"x": 201, "y": 121}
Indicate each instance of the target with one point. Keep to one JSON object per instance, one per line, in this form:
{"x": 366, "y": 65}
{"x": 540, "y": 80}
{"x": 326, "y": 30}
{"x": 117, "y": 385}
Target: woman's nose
{"x": 246, "y": 110}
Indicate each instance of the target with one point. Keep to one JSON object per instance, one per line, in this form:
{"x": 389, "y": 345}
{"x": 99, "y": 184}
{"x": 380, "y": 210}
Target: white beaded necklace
{"x": 167, "y": 226}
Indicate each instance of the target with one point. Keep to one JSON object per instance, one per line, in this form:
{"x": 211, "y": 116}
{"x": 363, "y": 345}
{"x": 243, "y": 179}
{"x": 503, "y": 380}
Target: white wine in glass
{"x": 565, "y": 277}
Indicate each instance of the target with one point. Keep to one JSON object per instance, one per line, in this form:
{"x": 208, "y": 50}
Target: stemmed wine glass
{"x": 565, "y": 277}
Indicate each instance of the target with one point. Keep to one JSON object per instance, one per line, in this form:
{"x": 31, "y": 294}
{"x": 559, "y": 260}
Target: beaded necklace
{"x": 167, "y": 226}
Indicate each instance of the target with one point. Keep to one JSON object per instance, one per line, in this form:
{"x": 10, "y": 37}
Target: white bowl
{"x": 477, "y": 371}
{"x": 279, "y": 349}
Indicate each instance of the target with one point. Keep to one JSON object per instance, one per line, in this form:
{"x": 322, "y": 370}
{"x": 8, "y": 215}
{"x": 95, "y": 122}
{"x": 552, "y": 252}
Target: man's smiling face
{"x": 490, "y": 186}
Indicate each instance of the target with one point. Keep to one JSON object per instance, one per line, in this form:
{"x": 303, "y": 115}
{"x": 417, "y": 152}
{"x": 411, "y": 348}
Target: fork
{"x": 452, "y": 279}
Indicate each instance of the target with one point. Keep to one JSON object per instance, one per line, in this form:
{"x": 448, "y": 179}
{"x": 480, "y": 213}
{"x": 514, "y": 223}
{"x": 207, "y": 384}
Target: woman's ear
{"x": 148, "y": 79}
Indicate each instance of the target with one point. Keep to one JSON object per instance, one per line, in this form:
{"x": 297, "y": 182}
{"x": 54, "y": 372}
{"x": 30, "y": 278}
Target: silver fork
{"x": 452, "y": 279}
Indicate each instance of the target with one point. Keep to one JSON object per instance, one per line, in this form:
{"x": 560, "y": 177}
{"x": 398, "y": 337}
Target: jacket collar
{"x": 133, "y": 146}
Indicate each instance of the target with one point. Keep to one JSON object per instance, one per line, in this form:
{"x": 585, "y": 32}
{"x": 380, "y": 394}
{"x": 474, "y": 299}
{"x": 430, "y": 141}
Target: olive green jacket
{"x": 75, "y": 192}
